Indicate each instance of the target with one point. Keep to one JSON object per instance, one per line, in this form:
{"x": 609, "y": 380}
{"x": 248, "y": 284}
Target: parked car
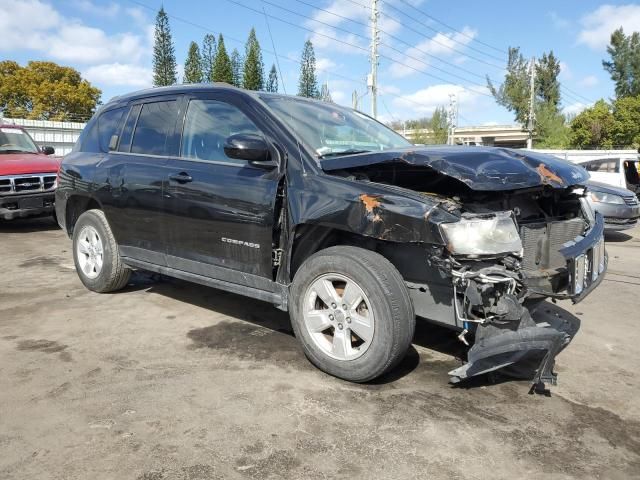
{"x": 330, "y": 215}
{"x": 618, "y": 171}
{"x": 27, "y": 175}
{"x": 619, "y": 207}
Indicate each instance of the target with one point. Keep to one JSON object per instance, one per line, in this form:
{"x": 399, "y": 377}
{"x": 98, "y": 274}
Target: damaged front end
{"x": 502, "y": 263}
{"x": 513, "y": 229}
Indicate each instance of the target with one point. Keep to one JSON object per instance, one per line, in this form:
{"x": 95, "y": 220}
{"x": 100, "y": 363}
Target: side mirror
{"x": 247, "y": 146}
{"x": 48, "y": 150}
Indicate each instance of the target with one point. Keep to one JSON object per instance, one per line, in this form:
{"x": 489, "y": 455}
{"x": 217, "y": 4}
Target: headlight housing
{"x": 483, "y": 235}
{"x": 606, "y": 197}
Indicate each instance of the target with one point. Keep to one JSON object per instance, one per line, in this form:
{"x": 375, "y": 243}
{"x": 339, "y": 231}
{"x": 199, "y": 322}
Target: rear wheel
{"x": 96, "y": 255}
{"x": 352, "y": 313}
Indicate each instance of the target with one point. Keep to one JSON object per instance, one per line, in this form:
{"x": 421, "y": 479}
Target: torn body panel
{"x": 538, "y": 238}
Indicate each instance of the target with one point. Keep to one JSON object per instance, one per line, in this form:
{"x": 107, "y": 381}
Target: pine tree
{"x": 222, "y": 71}
{"x": 624, "y": 63}
{"x": 236, "y": 66}
{"x": 164, "y": 58}
{"x": 193, "y": 65}
{"x": 208, "y": 56}
{"x": 272, "y": 82}
{"x": 308, "y": 83}
{"x": 253, "y": 75}
{"x": 325, "y": 94}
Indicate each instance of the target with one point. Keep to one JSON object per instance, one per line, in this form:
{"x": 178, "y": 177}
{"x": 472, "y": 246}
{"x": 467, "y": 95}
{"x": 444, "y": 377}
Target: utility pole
{"x": 372, "y": 80}
{"x": 532, "y": 99}
{"x": 452, "y": 117}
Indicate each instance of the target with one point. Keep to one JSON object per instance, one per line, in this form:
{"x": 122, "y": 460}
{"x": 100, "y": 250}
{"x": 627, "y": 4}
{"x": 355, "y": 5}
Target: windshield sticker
{"x": 17, "y": 131}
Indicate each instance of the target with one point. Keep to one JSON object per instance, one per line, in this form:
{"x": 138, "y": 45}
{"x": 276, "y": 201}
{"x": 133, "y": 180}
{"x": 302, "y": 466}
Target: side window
{"x": 594, "y": 165}
{"x": 88, "y": 140}
{"x": 108, "y": 124}
{"x": 155, "y": 123}
{"x": 206, "y": 127}
{"x": 127, "y": 131}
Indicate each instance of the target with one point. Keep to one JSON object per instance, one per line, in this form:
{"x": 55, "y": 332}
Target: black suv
{"x": 324, "y": 212}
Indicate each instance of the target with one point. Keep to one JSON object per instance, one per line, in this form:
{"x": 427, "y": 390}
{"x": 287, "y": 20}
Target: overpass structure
{"x": 511, "y": 136}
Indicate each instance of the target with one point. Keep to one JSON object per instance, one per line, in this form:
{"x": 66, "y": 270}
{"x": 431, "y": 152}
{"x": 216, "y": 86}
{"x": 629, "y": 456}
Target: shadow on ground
{"x": 28, "y": 225}
{"x": 247, "y": 339}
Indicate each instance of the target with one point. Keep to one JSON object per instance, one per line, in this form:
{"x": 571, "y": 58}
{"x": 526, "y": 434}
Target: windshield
{"x": 15, "y": 140}
{"x": 330, "y": 130}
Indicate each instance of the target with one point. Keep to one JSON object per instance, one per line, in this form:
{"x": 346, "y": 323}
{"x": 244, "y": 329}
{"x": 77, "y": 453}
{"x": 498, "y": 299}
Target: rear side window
{"x": 155, "y": 124}
{"x": 88, "y": 139}
{"x": 108, "y": 124}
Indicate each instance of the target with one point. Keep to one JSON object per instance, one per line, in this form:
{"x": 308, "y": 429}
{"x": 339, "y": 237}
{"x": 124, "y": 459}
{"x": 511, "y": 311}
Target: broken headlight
{"x": 483, "y": 235}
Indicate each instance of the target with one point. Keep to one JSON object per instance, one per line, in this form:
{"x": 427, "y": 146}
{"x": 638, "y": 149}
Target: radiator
{"x": 541, "y": 243}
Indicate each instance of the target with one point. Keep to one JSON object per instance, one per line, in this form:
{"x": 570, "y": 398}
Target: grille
{"x": 542, "y": 242}
{"x": 631, "y": 200}
{"x": 27, "y": 184}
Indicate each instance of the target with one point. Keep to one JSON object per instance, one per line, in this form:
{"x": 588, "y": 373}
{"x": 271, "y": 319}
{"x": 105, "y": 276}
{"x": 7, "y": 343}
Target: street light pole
{"x": 372, "y": 80}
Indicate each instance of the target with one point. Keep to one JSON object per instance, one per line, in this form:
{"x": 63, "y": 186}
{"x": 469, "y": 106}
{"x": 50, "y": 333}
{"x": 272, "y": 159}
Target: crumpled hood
{"x": 27, "y": 163}
{"x": 480, "y": 168}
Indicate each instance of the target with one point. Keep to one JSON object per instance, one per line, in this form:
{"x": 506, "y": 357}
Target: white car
{"x": 617, "y": 171}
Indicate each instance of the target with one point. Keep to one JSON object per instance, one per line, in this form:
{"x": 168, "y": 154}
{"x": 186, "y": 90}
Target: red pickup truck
{"x": 28, "y": 175}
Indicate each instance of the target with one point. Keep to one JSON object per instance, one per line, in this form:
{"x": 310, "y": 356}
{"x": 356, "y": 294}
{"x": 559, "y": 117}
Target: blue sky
{"x": 423, "y": 60}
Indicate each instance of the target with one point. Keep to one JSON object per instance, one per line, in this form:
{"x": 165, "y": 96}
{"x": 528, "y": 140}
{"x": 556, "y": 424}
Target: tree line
{"x": 211, "y": 62}
{"x": 607, "y": 124}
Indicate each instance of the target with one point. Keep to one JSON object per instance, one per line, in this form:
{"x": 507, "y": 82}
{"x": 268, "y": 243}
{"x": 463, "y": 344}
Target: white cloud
{"x": 440, "y": 45}
{"x": 119, "y": 74}
{"x": 323, "y": 64}
{"x": 589, "y": 81}
{"x": 23, "y": 24}
{"x": 602, "y": 22}
{"x": 425, "y": 101}
{"x": 101, "y": 10}
{"x": 575, "y": 108}
{"x": 82, "y": 44}
{"x": 565, "y": 71}
{"x": 558, "y": 22}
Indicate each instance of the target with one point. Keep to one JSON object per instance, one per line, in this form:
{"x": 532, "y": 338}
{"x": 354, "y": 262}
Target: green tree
{"x": 551, "y": 127}
{"x": 439, "y": 126}
{"x": 593, "y": 127}
{"x": 45, "y": 91}
{"x": 308, "y": 82}
{"x": 513, "y": 94}
{"x": 222, "y": 71}
{"x": 208, "y": 56}
{"x": 272, "y": 81}
{"x": 547, "y": 83}
{"x": 236, "y": 66}
{"x": 164, "y": 58}
{"x": 626, "y": 128}
{"x": 253, "y": 75}
{"x": 193, "y": 65}
{"x": 624, "y": 63}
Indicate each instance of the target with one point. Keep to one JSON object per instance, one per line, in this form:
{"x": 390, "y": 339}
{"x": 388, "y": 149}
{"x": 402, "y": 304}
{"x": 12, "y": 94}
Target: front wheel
{"x": 96, "y": 255}
{"x": 352, "y": 313}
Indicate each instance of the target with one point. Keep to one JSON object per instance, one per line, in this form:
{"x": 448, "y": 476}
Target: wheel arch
{"x": 76, "y": 205}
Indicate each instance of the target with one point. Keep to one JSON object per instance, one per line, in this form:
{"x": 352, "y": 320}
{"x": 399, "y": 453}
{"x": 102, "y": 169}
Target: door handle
{"x": 182, "y": 177}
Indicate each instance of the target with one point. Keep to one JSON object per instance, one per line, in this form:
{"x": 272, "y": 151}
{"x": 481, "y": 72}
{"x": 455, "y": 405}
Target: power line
{"x": 431, "y": 17}
{"x": 359, "y": 47}
{"x": 293, "y": 60}
{"x": 429, "y": 27}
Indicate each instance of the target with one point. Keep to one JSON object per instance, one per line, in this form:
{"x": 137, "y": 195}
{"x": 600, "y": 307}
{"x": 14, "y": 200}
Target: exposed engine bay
{"x": 509, "y": 250}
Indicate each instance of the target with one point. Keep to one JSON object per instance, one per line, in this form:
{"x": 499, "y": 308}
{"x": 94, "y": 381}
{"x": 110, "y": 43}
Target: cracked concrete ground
{"x": 168, "y": 380}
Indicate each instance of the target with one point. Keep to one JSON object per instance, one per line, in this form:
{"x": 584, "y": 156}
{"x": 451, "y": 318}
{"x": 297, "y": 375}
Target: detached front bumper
{"x": 21, "y": 206}
{"x": 515, "y": 334}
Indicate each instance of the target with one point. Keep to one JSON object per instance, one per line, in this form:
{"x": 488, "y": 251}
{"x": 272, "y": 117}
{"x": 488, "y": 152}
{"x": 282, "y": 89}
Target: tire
{"x": 108, "y": 275}
{"x": 360, "y": 358}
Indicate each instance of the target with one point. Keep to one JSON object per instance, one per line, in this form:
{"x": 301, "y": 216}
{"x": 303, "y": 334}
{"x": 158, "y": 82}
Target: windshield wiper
{"x": 351, "y": 151}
